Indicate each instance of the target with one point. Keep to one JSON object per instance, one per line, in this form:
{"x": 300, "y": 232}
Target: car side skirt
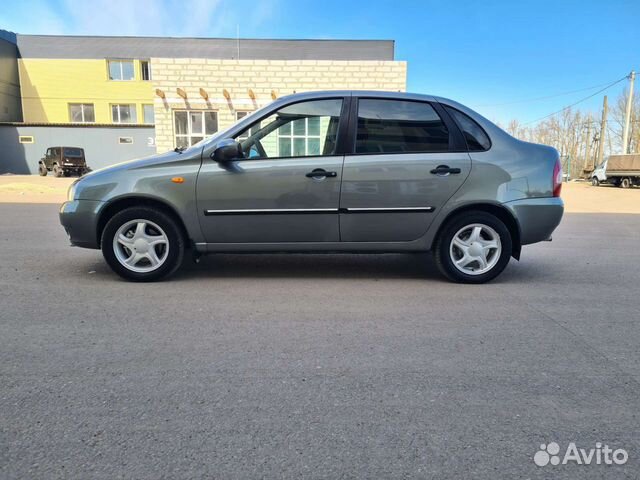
{"x": 313, "y": 247}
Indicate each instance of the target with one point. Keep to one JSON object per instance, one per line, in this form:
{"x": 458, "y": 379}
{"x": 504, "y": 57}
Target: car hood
{"x": 157, "y": 159}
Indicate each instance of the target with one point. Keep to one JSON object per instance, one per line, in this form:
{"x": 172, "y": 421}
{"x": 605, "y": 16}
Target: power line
{"x": 579, "y": 101}
{"x": 535, "y": 99}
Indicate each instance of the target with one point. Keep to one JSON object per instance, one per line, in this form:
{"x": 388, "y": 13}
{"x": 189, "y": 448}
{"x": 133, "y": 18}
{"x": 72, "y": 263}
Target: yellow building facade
{"x": 54, "y": 88}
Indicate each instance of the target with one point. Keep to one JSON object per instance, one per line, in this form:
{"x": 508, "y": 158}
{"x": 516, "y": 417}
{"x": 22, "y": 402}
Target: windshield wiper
{"x": 179, "y": 149}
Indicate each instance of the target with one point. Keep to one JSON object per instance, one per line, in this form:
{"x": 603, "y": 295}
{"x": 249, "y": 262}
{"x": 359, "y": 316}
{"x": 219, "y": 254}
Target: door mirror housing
{"x": 226, "y": 150}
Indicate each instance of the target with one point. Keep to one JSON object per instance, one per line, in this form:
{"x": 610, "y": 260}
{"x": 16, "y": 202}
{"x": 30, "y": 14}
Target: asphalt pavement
{"x": 317, "y": 366}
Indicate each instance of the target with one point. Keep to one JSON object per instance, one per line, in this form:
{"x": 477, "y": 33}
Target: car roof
{"x": 355, "y": 93}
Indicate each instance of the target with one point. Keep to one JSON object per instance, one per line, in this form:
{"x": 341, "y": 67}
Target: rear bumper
{"x": 537, "y": 217}
{"x": 80, "y": 220}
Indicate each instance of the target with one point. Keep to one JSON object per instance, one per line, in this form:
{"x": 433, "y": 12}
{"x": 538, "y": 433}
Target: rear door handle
{"x": 444, "y": 170}
{"x": 320, "y": 173}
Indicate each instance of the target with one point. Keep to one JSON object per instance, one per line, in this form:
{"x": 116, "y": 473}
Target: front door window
{"x": 303, "y": 129}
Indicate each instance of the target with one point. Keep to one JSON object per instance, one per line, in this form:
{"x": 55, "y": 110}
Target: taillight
{"x": 557, "y": 179}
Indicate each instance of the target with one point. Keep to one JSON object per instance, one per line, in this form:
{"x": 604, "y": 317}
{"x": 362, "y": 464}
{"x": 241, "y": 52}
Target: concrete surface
{"x": 579, "y": 197}
{"x": 310, "y": 366}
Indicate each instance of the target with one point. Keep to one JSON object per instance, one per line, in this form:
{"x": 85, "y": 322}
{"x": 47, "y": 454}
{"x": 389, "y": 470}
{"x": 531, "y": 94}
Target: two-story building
{"x": 126, "y": 97}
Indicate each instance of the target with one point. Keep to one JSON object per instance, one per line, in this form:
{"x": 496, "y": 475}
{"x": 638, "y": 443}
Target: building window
{"x": 192, "y": 126}
{"x": 244, "y": 135}
{"x": 81, "y": 113}
{"x": 145, "y": 70}
{"x": 25, "y": 139}
{"x": 125, "y": 140}
{"x": 299, "y": 138}
{"x": 123, "y": 113}
{"x": 121, "y": 70}
{"x": 149, "y": 115}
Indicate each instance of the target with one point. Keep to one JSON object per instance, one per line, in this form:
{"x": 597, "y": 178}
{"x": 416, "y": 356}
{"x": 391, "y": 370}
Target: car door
{"x": 407, "y": 161}
{"x": 47, "y": 158}
{"x": 286, "y": 188}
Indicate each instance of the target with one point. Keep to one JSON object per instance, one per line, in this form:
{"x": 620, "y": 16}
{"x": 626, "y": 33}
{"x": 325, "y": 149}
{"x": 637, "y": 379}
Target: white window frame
{"x": 306, "y": 138}
{"x": 121, "y": 61}
{"x": 82, "y": 110}
{"x": 240, "y": 114}
{"x": 190, "y": 133}
{"x": 132, "y": 107}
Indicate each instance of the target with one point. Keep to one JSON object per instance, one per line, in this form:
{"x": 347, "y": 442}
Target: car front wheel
{"x": 473, "y": 247}
{"x": 57, "y": 171}
{"x": 143, "y": 244}
{"x": 595, "y": 182}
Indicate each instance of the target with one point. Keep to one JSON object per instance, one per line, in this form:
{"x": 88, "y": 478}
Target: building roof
{"x": 54, "y": 46}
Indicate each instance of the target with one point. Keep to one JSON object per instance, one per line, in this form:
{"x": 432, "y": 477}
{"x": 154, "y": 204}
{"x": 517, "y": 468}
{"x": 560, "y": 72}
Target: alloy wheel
{"x": 475, "y": 249}
{"x": 141, "y": 246}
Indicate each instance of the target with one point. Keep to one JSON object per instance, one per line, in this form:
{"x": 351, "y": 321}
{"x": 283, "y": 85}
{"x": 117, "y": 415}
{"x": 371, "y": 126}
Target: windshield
{"x": 73, "y": 152}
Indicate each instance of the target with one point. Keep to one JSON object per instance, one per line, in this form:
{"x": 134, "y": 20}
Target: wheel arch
{"x": 119, "y": 204}
{"x": 497, "y": 210}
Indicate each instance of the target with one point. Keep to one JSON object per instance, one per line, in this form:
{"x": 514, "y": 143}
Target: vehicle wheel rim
{"x": 475, "y": 249}
{"x": 141, "y": 246}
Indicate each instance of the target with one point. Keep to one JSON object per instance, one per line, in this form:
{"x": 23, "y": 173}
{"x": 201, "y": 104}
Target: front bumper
{"x": 80, "y": 220}
{"x": 537, "y": 217}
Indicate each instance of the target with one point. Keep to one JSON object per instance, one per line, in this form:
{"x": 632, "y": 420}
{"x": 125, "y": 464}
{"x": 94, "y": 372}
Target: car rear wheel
{"x": 57, "y": 171}
{"x": 595, "y": 182}
{"x": 42, "y": 170}
{"x": 473, "y": 247}
{"x": 625, "y": 183}
{"x": 143, "y": 244}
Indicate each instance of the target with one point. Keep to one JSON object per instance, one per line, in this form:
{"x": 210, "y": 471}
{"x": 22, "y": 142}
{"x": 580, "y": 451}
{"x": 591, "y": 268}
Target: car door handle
{"x": 320, "y": 173}
{"x": 445, "y": 170}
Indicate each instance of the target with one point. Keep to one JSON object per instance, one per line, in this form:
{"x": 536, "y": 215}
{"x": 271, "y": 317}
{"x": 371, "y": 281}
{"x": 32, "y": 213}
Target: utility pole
{"x": 603, "y": 130}
{"x": 627, "y": 114}
{"x": 587, "y": 144}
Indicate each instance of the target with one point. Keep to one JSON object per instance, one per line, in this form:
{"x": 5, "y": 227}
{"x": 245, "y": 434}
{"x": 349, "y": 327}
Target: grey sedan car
{"x": 336, "y": 171}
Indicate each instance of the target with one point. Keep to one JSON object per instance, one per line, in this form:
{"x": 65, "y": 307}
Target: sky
{"x": 498, "y": 57}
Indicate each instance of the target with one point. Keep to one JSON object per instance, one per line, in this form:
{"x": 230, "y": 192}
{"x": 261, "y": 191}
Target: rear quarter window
{"x": 475, "y": 136}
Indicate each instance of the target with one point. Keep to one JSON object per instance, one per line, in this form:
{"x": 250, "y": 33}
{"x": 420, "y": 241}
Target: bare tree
{"x": 567, "y": 132}
{"x": 617, "y": 122}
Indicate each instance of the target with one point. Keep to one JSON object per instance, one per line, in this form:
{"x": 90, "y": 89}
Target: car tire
{"x": 42, "y": 170}
{"x": 625, "y": 183}
{"x": 57, "y": 171}
{"x": 138, "y": 259}
{"x": 480, "y": 243}
{"x": 595, "y": 182}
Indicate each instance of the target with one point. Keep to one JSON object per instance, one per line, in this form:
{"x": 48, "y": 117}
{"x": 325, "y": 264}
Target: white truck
{"x": 619, "y": 170}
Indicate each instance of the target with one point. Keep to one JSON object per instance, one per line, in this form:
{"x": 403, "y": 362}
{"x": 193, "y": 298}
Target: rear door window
{"x": 397, "y": 126}
{"x": 476, "y": 138}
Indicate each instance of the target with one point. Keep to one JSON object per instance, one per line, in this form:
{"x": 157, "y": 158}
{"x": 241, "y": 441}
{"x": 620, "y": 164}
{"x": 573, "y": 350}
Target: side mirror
{"x": 226, "y": 150}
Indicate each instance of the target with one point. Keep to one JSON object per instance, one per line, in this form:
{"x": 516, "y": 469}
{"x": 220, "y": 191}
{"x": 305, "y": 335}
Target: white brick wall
{"x": 262, "y": 76}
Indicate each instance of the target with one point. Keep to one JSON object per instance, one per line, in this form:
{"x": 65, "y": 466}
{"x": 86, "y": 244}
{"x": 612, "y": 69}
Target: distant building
{"x": 10, "y": 104}
{"x": 140, "y": 95}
